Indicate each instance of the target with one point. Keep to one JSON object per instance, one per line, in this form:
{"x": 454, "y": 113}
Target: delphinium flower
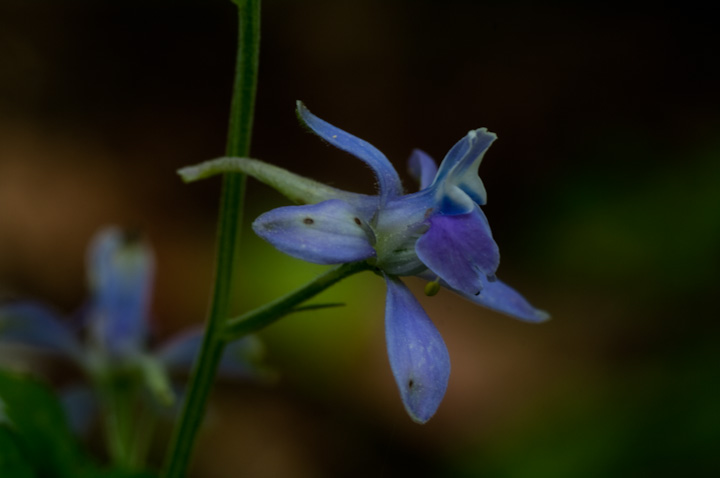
{"x": 109, "y": 339}
{"x": 439, "y": 233}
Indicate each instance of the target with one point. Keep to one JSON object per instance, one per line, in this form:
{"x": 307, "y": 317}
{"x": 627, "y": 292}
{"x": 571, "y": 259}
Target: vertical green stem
{"x": 231, "y": 205}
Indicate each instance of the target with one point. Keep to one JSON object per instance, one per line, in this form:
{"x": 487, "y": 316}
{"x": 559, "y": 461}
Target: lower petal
{"x": 418, "y": 357}
{"x": 460, "y": 249}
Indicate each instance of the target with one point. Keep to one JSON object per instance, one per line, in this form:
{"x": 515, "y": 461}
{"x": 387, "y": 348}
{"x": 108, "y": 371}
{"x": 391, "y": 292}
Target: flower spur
{"x": 438, "y": 233}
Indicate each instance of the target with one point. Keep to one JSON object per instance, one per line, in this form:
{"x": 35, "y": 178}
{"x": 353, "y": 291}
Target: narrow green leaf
{"x": 328, "y": 305}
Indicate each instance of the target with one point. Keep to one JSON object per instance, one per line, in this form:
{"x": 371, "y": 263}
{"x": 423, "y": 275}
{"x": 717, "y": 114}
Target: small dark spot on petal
{"x": 308, "y": 221}
{"x": 477, "y": 293}
{"x": 358, "y": 221}
{"x": 411, "y": 383}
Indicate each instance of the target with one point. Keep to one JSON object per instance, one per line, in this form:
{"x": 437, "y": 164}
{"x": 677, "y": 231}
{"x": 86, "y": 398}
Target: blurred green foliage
{"x": 35, "y": 440}
{"x": 656, "y": 420}
{"x": 647, "y": 222}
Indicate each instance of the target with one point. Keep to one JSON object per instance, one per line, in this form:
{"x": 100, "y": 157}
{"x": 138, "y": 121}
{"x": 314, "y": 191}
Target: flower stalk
{"x": 230, "y": 219}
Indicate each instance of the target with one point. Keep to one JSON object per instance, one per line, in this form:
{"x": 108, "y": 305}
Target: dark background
{"x": 604, "y": 196}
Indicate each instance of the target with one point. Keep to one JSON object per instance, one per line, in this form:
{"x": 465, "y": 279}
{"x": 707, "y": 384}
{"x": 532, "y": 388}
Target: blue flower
{"x": 115, "y": 323}
{"x": 438, "y": 233}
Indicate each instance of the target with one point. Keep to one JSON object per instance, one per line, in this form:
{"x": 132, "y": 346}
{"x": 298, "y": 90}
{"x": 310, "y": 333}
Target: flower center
{"x": 397, "y": 227}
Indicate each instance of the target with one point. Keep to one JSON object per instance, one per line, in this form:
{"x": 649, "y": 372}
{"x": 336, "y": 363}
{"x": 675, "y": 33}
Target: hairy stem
{"x": 230, "y": 219}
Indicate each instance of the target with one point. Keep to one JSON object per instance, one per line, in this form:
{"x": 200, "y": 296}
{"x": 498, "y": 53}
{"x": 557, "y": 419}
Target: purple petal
{"x": 422, "y": 168}
{"x": 330, "y": 232}
{"x": 241, "y": 358}
{"x": 498, "y": 296}
{"x": 459, "y": 170}
{"x": 390, "y": 185}
{"x": 32, "y": 324}
{"x": 460, "y": 249}
{"x": 120, "y": 270}
{"x": 419, "y": 359}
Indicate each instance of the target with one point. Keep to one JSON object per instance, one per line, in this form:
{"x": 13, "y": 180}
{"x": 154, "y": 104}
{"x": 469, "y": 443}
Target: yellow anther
{"x": 432, "y": 288}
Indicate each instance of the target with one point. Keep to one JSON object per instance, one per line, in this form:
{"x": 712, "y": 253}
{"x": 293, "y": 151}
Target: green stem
{"x": 231, "y": 205}
{"x": 267, "y": 314}
{"x": 294, "y": 187}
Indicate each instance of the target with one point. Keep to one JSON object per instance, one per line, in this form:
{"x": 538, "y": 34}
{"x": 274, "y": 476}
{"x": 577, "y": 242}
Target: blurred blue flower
{"x": 439, "y": 233}
{"x": 112, "y": 332}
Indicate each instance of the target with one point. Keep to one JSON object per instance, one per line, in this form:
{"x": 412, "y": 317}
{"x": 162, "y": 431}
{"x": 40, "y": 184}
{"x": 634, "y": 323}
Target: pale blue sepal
{"x": 32, "y": 324}
{"x": 418, "y": 356}
{"x": 120, "y": 269}
{"x": 388, "y": 179}
{"x": 460, "y": 249}
{"x": 331, "y": 232}
{"x": 459, "y": 170}
{"x": 422, "y": 168}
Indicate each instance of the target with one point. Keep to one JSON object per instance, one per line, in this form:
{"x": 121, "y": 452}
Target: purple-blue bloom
{"x": 438, "y": 233}
{"x": 112, "y": 331}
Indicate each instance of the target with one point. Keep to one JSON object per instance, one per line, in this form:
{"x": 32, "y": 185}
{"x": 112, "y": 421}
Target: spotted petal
{"x": 121, "y": 269}
{"x": 29, "y": 323}
{"x": 419, "y": 359}
{"x": 330, "y": 232}
{"x": 422, "y": 168}
{"x": 460, "y": 249}
{"x": 390, "y": 185}
{"x": 457, "y": 180}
